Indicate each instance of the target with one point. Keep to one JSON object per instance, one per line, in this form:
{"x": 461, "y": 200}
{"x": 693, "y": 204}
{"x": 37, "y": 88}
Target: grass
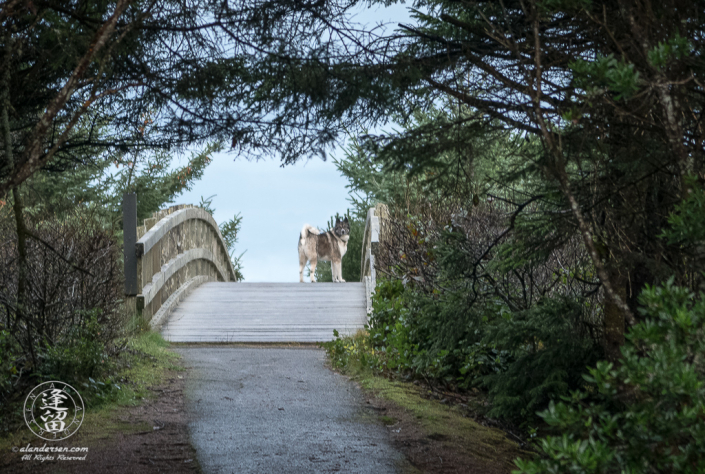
{"x": 144, "y": 364}
{"x": 388, "y": 420}
{"x": 440, "y": 422}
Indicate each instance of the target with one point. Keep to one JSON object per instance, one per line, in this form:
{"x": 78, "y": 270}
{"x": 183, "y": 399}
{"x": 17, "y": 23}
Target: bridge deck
{"x": 267, "y": 312}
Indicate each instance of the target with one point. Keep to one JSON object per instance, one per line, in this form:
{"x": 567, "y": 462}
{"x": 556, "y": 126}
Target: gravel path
{"x": 280, "y": 410}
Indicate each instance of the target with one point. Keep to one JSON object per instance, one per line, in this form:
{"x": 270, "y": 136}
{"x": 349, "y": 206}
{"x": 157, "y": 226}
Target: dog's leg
{"x": 340, "y": 272}
{"x": 337, "y": 270}
{"x": 314, "y": 262}
{"x": 302, "y": 265}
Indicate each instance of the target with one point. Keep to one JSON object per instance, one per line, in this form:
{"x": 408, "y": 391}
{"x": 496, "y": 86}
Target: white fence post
{"x": 369, "y": 245}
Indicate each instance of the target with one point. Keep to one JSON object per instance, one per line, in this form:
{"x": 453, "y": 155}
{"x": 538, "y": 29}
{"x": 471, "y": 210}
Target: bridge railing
{"x": 174, "y": 251}
{"x": 374, "y": 231}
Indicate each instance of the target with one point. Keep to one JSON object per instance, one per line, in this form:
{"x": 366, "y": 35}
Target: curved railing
{"x": 174, "y": 251}
{"x": 370, "y": 243}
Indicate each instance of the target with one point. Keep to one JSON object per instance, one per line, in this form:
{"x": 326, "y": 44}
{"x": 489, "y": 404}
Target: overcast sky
{"x": 276, "y": 202}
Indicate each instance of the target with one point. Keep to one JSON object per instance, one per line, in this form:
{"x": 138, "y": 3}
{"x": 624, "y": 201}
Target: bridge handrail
{"x": 370, "y": 243}
{"x": 151, "y": 289}
{"x": 178, "y": 249}
{"x": 161, "y": 228}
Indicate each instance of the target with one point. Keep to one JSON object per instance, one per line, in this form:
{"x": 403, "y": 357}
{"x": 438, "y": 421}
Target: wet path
{"x": 279, "y": 410}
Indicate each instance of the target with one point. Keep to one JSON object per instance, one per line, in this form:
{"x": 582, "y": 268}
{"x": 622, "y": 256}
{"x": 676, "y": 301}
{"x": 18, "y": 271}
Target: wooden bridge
{"x": 178, "y": 276}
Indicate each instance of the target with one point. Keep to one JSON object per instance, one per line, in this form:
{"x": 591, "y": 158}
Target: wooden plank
{"x": 267, "y": 312}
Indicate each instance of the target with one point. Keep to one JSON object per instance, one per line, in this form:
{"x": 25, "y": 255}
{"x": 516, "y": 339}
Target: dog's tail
{"x": 304, "y": 233}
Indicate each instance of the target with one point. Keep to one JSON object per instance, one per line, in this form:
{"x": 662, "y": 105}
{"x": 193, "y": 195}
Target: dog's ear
{"x": 337, "y": 219}
{"x": 346, "y": 218}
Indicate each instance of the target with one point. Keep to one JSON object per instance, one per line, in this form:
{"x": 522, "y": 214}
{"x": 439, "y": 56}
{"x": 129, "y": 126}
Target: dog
{"x": 330, "y": 246}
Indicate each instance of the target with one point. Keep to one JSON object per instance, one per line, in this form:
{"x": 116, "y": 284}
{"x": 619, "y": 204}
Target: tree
{"x": 612, "y": 91}
{"x": 230, "y": 230}
{"x": 80, "y": 78}
{"x": 254, "y": 74}
{"x": 646, "y": 414}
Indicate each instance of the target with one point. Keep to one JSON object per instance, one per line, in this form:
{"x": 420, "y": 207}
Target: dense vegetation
{"x": 482, "y": 293}
{"x": 550, "y": 256}
{"x": 545, "y": 189}
{"x": 471, "y": 292}
{"x": 67, "y": 321}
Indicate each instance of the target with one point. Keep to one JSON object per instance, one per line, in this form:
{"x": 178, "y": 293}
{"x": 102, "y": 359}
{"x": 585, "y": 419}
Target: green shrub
{"x": 79, "y": 352}
{"x": 547, "y": 349}
{"x": 386, "y": 344}
{"x": 523, "y": 358}
{"x": 648, "y": 414}
{"x": 390, "y": 327}
{"x": 10, "y": 359}
{"x": 345, "y": 352}
{"x": 687, "y": 221}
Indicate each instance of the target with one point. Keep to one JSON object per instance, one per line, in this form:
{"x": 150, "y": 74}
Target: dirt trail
{"x": 149, "y": 438}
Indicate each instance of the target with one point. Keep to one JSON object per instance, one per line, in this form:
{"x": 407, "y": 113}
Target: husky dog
{"x": 331, "y": 246}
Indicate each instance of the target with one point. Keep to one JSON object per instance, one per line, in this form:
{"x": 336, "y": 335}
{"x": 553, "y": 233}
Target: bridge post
{"x": 371, "y": 238}
{"x": 129, "y": 229}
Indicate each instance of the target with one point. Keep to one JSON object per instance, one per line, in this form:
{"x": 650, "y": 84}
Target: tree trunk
{"x": 17, "y": 198}
{"x": 613, "y": 320}
{"x": 21, "y": 250}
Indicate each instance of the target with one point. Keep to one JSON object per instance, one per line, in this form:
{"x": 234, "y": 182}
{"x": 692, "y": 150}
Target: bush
{"x": 390, "y": 327}
{"x": 72, "y": 314}
{"x": 523, "y": 358}
{"x": 648, "y": 414}
{"x": 78, "y": 352}
{"x": 549, "y": 349}
{"x": 387, "y": 344}
{"x": 345, "y": 352}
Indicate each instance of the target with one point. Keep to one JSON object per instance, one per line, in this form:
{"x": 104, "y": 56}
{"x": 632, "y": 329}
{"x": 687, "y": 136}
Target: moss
{"x": 388, "y": 420}
{"x": 439, "y": 422}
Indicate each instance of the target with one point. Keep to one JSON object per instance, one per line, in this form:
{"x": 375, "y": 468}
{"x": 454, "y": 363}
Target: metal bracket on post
{"x": 129, "y": 228}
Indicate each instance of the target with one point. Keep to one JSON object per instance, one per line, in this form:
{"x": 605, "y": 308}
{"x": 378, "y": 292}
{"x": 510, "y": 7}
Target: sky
{"x": 276, "y": 202}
